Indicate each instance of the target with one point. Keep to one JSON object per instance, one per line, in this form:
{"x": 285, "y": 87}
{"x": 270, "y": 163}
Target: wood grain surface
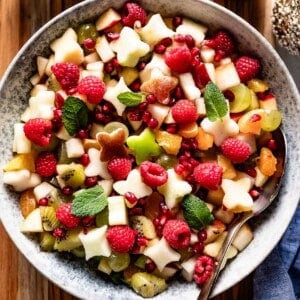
{"x": 19, "y": 19}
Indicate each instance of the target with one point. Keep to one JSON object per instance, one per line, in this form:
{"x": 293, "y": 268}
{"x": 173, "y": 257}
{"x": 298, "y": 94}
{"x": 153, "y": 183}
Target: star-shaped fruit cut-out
{"x": 112, "y": 144}
{"x": 160, "y": 86}
{"x": 237, "y": 198}
{"x": 143, "y": 146}
{"x": 174, "y": 189}
{"x": 161, "y": 253}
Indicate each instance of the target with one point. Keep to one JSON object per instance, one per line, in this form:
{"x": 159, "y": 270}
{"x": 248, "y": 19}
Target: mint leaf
{"x": 196, "y": 212}
{"x": 74, "y": 115}
{"x": 215, "y": 102}
{"x": 131, "y": 98}
{"x": 89, "y": 202}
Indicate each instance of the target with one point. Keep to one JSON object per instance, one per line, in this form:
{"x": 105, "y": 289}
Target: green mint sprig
{"x": 215, "y": 102}
{"x": 74, "y": 115}
{"x": 88, "y": 202}
{"x": 131, "y": 98}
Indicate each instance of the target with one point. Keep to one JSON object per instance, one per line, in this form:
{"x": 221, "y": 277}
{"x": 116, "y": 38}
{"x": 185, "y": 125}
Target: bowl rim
{"x": 82, "y": 4}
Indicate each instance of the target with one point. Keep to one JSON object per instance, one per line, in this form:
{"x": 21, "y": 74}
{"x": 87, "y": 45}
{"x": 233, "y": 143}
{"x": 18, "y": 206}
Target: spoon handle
{"x": 210, "y": 283}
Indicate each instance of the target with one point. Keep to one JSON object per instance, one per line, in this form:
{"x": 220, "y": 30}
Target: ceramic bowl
{"x": 75, "y": 276}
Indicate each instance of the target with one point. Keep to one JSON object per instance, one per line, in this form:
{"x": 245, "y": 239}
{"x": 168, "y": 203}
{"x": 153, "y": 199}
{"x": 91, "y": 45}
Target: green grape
{"x": 242, "y": 98}
{"x": 271, "y": 120}
{"x": 167, "y": 161}
{"x": 87, "y": 31}
{"x": 118, "y": 261}
{"x": 110, "y": 127}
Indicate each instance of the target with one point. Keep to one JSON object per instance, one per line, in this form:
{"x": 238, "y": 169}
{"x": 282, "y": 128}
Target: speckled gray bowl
{"x": 77, "y": 277}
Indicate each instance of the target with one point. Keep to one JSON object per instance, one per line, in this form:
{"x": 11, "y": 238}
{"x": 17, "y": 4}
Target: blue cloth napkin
{"x": 278, "y": 277}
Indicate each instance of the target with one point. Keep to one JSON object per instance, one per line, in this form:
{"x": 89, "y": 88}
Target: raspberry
{"x": 236, "y": 150}
{"x": 203, "y": 269}
{"x": 132, "y": 12}
{"x": 209, "y": 175}
{"x": 121, "y": 238}
{"x": 222, "y": 43}
{"x": 38, "y": 131}
{"x": 119, "y": 168}
{"x": 200, "y": 75}
{"x": 179, "y": 59}
{"x": 93, "y": 88}
{"x": 247, "y": 67}
{"x": 67, "y": 74}
{"x": 184, "y": 111}
{"x": 65, "y": 216}
{"x": 153, "y": 174}
{"x": 45, "y": 164}
{"x": 177, "y": 233}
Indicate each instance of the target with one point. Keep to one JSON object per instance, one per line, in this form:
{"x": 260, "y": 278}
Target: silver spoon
{"x": 268, "y": 194}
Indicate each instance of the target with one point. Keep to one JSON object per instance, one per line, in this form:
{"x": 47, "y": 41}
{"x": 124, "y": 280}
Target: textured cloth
{"x": 278, "y": 277}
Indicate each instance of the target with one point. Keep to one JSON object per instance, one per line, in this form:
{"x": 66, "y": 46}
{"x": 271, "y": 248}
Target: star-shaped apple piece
{"x": 112, "y": 144}
{"x": 174, "y": 189}
{"x": 143, "y": 145}
{"x": 134, "y": 184}
{"x": 160, "y": 85}
{"x": 237, "y": 198}
{"x": 161, "y": 253}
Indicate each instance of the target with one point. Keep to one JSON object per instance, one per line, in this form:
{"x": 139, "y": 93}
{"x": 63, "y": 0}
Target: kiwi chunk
{"x": 47, "y": 241}
{"x": 49, "y": 219}
{"x": 69, "y": 242}
{"x": 144, "y": 226}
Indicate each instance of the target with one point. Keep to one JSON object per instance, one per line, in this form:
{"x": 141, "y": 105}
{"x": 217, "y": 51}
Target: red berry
{"x": 209, "y": 175}
{"x": 38, "y": 131}
{"x": 119, "y": 167}
{"x": 59, "y": 233}
{"x": 177, "y": 233}
{"x": 43, "y": 201}
{"x": 203, "y": 269}
{"x": 184, "y": 111}
{"x": 223, "y": 44}
{"x": 153, "y": 174}
{"x": 121, "y": 238}
{"x": 93, "y": 87}
{"x": 236, "y": 150}
{"x": 131, "y": 13}
{"x": 45, "y": 164}
{"x": 200, "y": 75}
{"x": 179, "y": 59}
{"x": 67, "y": 74}
{"x": 247, "y": 67}
{"x": 65, "y": 216}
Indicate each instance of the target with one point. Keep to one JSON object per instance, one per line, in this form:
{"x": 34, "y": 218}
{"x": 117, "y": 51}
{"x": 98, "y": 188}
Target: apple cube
{"x": 159, "y": 112}
{"x": 21, "y": 144}
{"x": 117, "y": 211}
{"x": 207, "y": 54}
{"x": 226, "y": 76}
{"x": 33, "y": 222}
{"x": 108, "y": 19}
{"x": 214, "y": 230}
{"x": 213, "y": 249}
{"x": 243, "y": 237}
{"x": 103, "y": 49}
{"x": 224, "y": 215}
{"x": 188, "y": 268}
{"x": 74, "y": 148}
{"x": 187, "y": 83}
{"x": 41, "y": 64}
{"x": 268, "y": 103}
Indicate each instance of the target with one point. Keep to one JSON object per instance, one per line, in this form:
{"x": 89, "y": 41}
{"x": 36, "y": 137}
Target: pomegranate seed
{"x": 202, "y": 235}
{"x": 135, "y": 116}
{"x": 141, "y": 65}
{"x": 136, "y": 211}
{"x": 143, "y": 106}
{"x": 272, "y": 145}
{"x": 67, "y": 190}
{"x": 251, "y": 171}
{"x": 179, "y": 169}
{"x": 178, "y": 93}
{"x": 179, "y": 38}
{"x": 195, "y": 51}
{"x": 150, "y": 266}
{"x": 229, "y": 95}
{"x": 166, "y": 42}
{"x": 163, "y": 207}
{"x": 255, "y": 118}
{"x": 189, "y": 40}
{"x": 152, "y": 123}
{"x": 82, "y": 134}
{"x": 108, "y": 67}
{"x": 59, "y": 101}
{"x": 89, "y": 44}
{"x": 176, "y": 21}
{"x": 151, "y": 98}
{"x": 91, "y": 181}
{"x": 136, "y": 86}
{"x": 130, "y": 197}
{"x": 142, "y": 201}
{"x": 254, "y": 193}
{"x": 59, "y": 233}
{"x": 111, "y": 36}
{"x": 43, "y": 201}
{"x": 198, "y": 248}
{"x": 142, "y": 241}
{"x": 156, "y": 221}
{"x": 115, "y": 62}
{"x": 107, "y": 107}
{"x": 146, "y": 116}
{"x": 72, "y": 91}
{"x": 163, "y": 219}
{"x": 172, "y": 128}
{"x": 88, "y": 221}
{"x": 159, "y": 49}
{"x": 196, "y": 61}
{"x": 57, "y": 114}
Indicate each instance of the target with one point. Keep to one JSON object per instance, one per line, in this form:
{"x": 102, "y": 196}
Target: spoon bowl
{"x": 266, "y": 197}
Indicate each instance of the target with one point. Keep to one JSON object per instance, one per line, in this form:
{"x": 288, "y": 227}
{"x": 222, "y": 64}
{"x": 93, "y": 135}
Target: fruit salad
{"x": 143, "y": 138}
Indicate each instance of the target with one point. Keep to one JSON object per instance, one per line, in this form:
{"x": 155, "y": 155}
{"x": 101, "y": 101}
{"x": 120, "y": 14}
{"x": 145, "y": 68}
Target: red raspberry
{"x": 119, "y": 167}
{"x": 209, "y": 175}
{"x": 184, "y": 111}
{"x": 179, "y": 59}
{"x": 236, "y": 150}
{"x": 38, "y": 131}
{"x": 223, "y": 44}
{"x": 203, "y": 269}
{"x": 67, "y": 74}
{"x": 121, "y": 238}
{"x": 93, "y": 87}
{"x": 247, "y": 67}
{"x": 153, "y": 174}
{"x": 200, "y": 75}
{"x": 177, "y": 233}
{"x": 131, "y": 13}
{"x": 45, "y": 164}
{"x": 65, "y": 216}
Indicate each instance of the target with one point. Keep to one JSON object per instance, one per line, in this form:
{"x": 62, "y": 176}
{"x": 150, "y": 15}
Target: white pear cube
{"x": 33, "y": 222}
{"x": 117, "y": 211}
{"x": 41, "y": 64}
{"x": 207, "y": 54}
{"x": 211, "y": 71}
{"x": 214, "y": 230}
{"x": 243, "y": 237}
{"x": 109, "y": 18}
{"x": 63, "y": 134}
{"x": 21, "y": 144}
{"x": 74, "y": 148}
{"x": 200, "y": 105}
{"x": 188, "y": 268}
{"x": 227, "y": 76}
{"x": 260, "y": 178}
{"x": 107, "y": 185}
{"x": 159, "y": 112}
{"x": 224, "y": 215}
{"x": 43, "y": 190}
{"x": 37, "y": 88}
{"x": 95, "y": 243}
{"x": 91, "y": 58}
{"x": 103, "y": 49}
{"x": 187, "y": 83}
{"x": 213, "y": 249}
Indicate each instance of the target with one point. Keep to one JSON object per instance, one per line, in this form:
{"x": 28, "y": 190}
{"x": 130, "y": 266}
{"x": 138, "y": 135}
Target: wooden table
{"x": 19, "y": 20}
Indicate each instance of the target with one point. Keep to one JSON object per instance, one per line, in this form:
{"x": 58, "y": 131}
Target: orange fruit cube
{"x": 205, "y": 140}
{"x": 267, "y": 162}
{"x": 168, "y": 141}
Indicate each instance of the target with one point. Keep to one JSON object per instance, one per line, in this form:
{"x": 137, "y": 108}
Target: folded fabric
{"x": 278, "y": 277}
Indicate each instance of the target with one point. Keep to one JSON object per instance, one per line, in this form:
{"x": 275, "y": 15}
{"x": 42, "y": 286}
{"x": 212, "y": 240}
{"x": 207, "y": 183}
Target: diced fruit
{"x": 187, "y": 83}
{"x": 257, "y": 85}
{"x": 267, "y": 162}
{"x": 229, "y": 171}
{"x": 69, "y": 242}
{"x": 226, "y": 76}
{"x": 118, "y": 261}
{"x": 27, "y": 202}
{"x": 103, "y": 49}
{"x": 47, "y": 241}
{"x": 204, "y": 140}
{"x": 188, "y": 268}
{"x": 108, "y": 19}
{"x": 251, "y": 121}
{"x": 213, "y": 249}
{"x": 243, "y": 237}
{"x": 271, "y": 120}
{"x": 103, "y": 266}
{"x": 21, "y": 161}
{"x": 117, "y": 211}
{"x": 170, "y": 142}
{"x": 49, "y": 220}
{"x": 32, "y": 222}
{"x": 72, "y": 174}
{"x": 189, "y": 130}
{"x": 242, "y": 98}
{"x": 144, "y": 226}
{"x": 214, "y": 230}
